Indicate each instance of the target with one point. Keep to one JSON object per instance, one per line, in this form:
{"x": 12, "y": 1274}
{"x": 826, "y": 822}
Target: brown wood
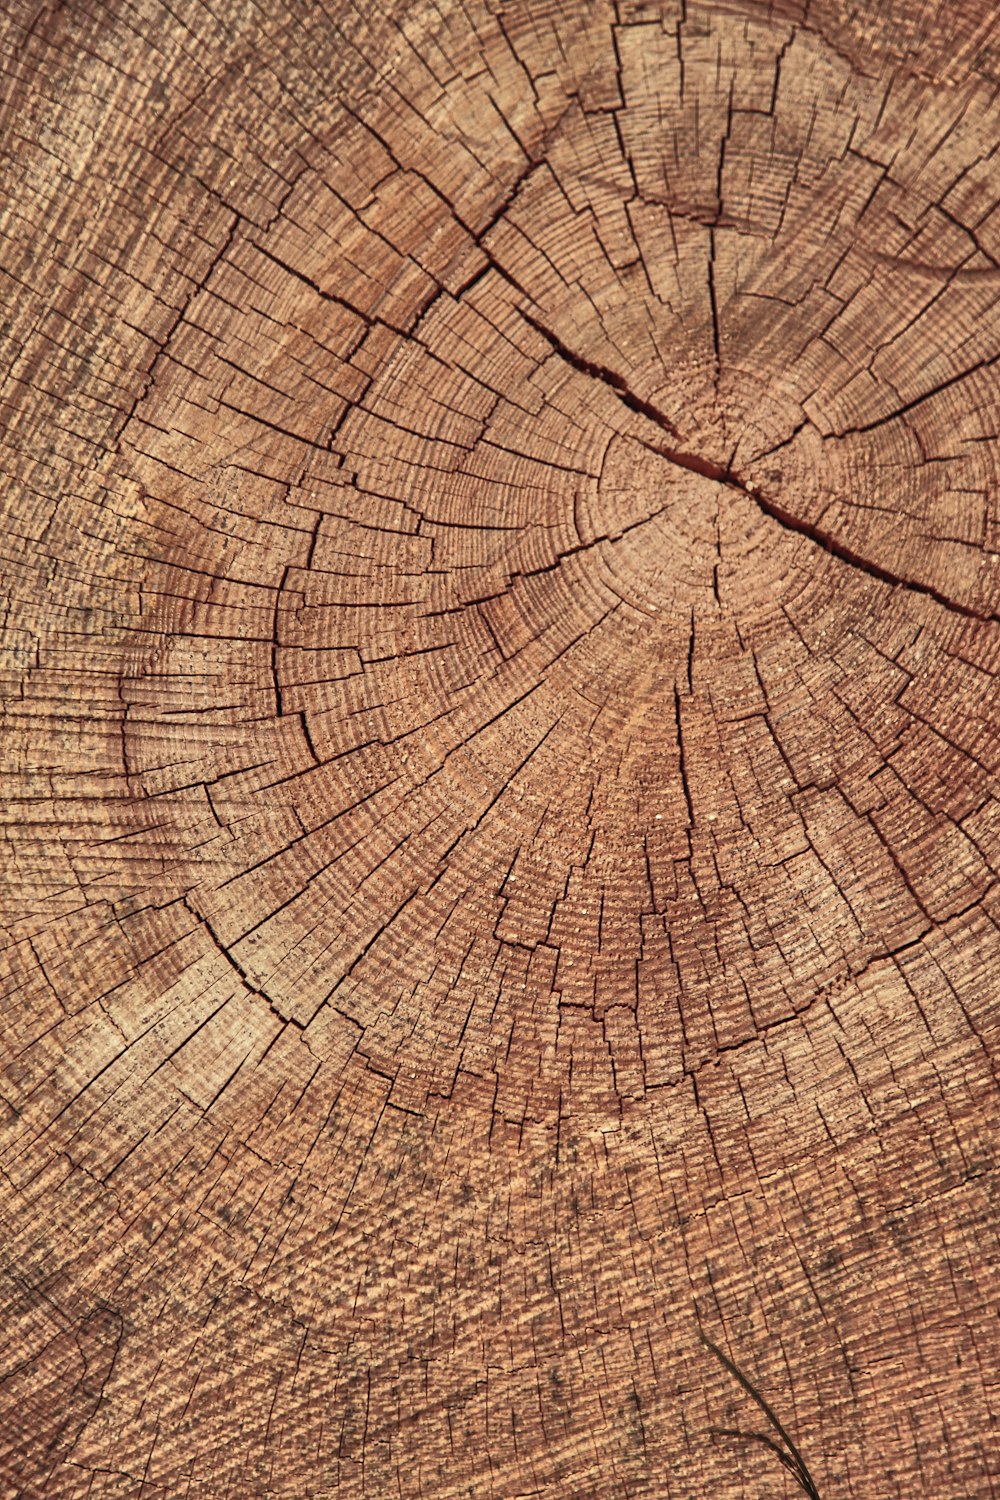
{"x": 501, "y": 820}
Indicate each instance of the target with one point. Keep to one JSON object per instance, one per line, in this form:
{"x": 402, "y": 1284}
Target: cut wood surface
{"x": 501, "y": 572}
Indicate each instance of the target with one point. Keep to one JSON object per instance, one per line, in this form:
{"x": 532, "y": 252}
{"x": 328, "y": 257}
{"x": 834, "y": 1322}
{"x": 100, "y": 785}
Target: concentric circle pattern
{"x": 503, "y": 571}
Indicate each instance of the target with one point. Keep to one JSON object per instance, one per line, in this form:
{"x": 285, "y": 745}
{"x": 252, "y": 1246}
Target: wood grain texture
{"x": 501, "y": 928}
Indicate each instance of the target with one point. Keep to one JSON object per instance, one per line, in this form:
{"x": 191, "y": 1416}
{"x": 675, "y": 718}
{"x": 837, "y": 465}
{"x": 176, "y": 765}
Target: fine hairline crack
{"x": 723, "y": 474}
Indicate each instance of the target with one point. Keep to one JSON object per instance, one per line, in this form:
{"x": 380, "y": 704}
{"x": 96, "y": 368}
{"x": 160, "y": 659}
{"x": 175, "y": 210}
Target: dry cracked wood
{"x": 501, "y": 822}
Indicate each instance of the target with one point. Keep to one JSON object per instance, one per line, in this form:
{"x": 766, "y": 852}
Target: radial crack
{"x": 722, "y": 474}
{"x": 610, "y": 378}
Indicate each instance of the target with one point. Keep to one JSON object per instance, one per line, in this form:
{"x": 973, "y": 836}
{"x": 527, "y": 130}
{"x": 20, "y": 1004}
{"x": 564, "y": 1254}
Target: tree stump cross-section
{"x": 500, "y": 920}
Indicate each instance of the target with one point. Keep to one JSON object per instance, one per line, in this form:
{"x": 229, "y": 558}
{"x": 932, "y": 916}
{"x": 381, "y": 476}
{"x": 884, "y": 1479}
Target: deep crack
{"x": 722, "y": 474}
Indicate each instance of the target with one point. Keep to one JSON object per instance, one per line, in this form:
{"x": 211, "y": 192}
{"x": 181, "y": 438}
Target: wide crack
{"x": 722, "y": 474}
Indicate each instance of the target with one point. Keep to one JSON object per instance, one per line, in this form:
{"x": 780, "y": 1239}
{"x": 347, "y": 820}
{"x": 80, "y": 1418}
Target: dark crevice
{"x": 601, "y": 372}
{"x": 681, "y": 759}
{"x": 303, "y": 720}
{"x": 723, "y": 474}
{"x": 234, "y": 963}
{"x": 854, "y": 559}
{"x": 714, "y": 302}
{"x": 276, "y": 645}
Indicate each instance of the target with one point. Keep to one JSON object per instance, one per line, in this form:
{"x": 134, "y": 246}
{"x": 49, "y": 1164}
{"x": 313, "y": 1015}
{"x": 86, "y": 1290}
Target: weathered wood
{"x": 501, "y": 823}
